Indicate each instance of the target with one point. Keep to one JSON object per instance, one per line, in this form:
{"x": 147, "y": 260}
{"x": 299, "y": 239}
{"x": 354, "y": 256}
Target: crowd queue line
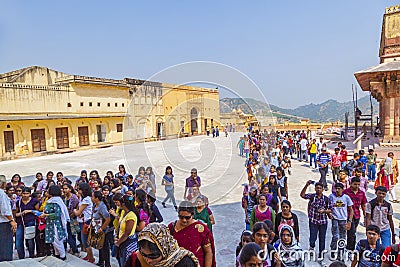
{"x": 271, "y": 230}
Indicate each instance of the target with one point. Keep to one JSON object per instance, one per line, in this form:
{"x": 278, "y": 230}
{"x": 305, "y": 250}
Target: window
{"x": 116, "y": 104}
{"x": 108, "y": 104}
{"x": 90, "y": 104}
{"x": 69, "y": 105}
{"x": 98, "y": 104}
{"x": 123, "y": 104}
{"x": 81, "y": 104}
{"x": 119, "y": 128}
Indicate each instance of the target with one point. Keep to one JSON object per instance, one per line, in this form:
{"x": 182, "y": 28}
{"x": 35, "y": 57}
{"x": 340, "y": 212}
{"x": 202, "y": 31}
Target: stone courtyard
{"x": 219, "y": 166}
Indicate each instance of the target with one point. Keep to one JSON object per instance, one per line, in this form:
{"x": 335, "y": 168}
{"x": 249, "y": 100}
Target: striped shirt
{"x": 324, "y": 158}
{"x": 5, "y": 207}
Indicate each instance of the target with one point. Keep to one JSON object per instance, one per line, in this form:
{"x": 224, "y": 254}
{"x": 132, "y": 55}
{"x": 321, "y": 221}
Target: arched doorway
{"x": 193, "y": 120}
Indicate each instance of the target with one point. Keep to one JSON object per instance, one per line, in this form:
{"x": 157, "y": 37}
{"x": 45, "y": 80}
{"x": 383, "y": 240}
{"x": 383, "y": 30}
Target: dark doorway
{"x": 9, "y": 141}
{"x": 193, "y": 120}
{"x": 38, "y": 140}
{"x": 159, "y": 129}
{"x": 101, "y": 133}
{"x": 62, "y": 137}
{"x": 83, "y": 133}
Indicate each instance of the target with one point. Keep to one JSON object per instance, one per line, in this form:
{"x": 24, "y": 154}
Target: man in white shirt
{"x": 7, "y": 224}
{"x": 303, "y": 149}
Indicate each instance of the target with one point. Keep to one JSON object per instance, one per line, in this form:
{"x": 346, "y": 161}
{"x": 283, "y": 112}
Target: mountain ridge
{"x": 328, "y": 111}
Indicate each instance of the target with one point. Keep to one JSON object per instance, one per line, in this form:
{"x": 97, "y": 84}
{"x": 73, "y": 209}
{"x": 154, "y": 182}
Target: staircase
{"x": 49, "y": 261}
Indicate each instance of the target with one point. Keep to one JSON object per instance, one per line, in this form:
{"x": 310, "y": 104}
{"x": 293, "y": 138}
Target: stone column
{"x": 386, "y": 122}
{"x": 381, "y": 116}
{"x": 396, "y": 116}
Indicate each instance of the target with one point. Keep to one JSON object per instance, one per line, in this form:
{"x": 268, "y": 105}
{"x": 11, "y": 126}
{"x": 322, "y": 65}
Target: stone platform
{"x": 219, "y": 166}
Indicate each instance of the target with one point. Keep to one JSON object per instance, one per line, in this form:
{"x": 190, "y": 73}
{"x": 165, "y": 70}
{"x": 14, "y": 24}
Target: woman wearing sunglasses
{"x": 201, "y": 241}
{"x": 158, "y": 248}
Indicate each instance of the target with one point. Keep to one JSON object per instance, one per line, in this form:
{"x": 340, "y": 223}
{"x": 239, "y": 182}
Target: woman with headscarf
{"x": 290, "y": 253}
{"x": 56, "y": 214}
{"x": 158, "y": 248}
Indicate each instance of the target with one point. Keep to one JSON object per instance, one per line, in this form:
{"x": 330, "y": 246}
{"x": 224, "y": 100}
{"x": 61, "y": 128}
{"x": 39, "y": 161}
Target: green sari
{"x": 204, "y": 217}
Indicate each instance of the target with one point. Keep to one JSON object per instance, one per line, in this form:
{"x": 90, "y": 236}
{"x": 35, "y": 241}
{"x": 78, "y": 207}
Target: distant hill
{"x": 328, "y": 111}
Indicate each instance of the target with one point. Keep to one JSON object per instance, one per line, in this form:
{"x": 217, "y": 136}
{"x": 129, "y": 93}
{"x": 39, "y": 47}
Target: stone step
{"x": 49, "y": 261}
{"x": 23, "y": 263}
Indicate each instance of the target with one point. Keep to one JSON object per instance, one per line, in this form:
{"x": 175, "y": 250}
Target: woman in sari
{"x": 56, "y": 214}
{"x": 193, "y": 235}
{"x": 158, "y": 248}
{"x": 203, "y": 213}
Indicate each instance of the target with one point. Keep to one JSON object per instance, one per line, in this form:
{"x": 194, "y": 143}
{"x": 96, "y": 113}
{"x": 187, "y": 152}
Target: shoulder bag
{"x": 29, "y": 231}
{"x": 95, "y": 238}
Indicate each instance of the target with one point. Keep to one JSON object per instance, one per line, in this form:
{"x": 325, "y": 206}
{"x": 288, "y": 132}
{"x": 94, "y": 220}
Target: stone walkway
{"x": 220, "y": 168}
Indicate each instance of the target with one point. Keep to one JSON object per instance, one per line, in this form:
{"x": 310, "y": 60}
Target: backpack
{"x": 374, "y": 203}
{"x": 364, "y": 245}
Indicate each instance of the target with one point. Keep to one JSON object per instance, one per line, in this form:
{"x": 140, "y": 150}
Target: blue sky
{"x": 297, "y": 52}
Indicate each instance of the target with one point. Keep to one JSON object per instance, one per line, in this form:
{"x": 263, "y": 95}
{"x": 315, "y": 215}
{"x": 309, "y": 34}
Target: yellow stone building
{"x": 47, "y": 111}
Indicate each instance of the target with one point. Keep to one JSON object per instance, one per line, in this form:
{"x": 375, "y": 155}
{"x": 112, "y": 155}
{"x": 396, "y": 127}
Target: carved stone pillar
{"x": 386, "y": 118}
{"x": 381, "y": 116}
{"x": 396, "y": 117}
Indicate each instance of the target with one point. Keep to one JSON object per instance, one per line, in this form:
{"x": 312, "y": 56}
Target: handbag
{"x": 29, "y": 231}
{"x": 96, "y": 239}
{"x": 85, "y": 228}
{"x": 41, "y": 224}
{"x": 74, "y": 224}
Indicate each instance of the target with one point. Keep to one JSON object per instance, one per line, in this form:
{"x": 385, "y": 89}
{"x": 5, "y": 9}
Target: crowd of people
{"x": 118, "y": 216}
{"x": 272, "y": 229}
{"x": 115, "y": 215}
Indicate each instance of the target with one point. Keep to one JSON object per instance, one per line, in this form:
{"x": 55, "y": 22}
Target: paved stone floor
{"x": 220, "y": 168}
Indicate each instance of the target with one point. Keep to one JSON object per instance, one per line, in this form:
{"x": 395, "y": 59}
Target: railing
{"x": 358, "y": 141}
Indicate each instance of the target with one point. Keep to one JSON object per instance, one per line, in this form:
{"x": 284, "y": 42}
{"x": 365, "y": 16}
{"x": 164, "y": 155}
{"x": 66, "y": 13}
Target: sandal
{"x": 90, "y": 260}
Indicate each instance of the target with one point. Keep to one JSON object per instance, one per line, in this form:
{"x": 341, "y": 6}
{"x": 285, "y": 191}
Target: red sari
{"x": 194, "y": 238}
